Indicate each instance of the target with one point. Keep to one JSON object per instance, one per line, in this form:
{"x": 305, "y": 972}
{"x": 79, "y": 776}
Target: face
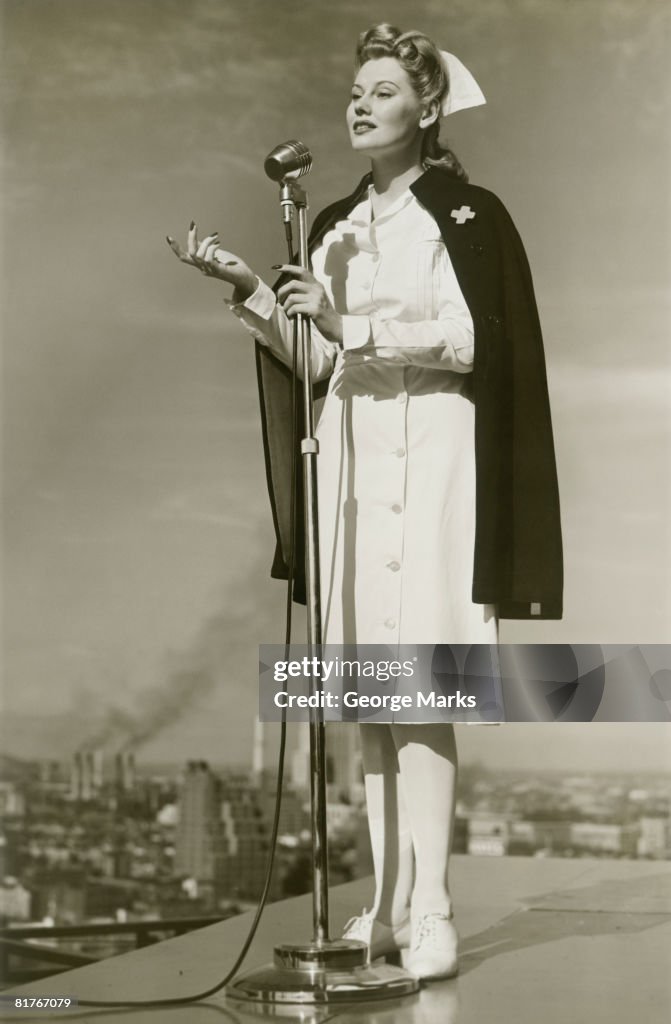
{"x": 385, "y": 115}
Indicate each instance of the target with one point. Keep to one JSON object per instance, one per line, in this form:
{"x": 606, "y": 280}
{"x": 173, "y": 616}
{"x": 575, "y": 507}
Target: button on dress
{"x": 396, "y": 466}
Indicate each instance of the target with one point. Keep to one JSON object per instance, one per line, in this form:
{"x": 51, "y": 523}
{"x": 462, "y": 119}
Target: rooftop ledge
{"x": 549, "y": 940}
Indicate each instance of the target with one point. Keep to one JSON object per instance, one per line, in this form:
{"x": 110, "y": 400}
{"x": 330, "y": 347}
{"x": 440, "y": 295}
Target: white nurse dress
{"x": 396, "y": 469}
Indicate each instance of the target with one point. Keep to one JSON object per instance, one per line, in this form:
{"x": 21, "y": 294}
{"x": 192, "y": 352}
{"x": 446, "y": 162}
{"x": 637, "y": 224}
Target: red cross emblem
{"x": 463, "y": 214}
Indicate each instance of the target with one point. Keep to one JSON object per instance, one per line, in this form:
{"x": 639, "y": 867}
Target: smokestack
{"x": 218, "y": 650}
{"x": 76, "y": 776}
{"x": 86, "y": 790}
{"x": 98, "y": 768}
{"x": 124, "y": 770}
{"x": 130, "y": 770}
{"x": 300, "y": 762}
{"x": 257, "y": 751}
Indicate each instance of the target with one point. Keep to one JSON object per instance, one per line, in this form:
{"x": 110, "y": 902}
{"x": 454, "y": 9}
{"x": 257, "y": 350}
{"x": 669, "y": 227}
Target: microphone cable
{"x": 197, "y": 996}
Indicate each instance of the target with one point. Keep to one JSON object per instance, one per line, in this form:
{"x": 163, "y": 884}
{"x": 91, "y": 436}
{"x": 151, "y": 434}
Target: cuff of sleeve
{"x": 262, "y": 301}
{"x": 464, "y": 353}
{"x": 356, "y": 331}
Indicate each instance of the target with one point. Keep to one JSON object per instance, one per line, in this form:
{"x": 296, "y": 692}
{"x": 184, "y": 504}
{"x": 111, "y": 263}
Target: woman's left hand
{"x": 306, "y": 295}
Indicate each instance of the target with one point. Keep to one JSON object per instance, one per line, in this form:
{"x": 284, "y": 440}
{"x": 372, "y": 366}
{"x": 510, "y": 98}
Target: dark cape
{"x": 518, "y": 547}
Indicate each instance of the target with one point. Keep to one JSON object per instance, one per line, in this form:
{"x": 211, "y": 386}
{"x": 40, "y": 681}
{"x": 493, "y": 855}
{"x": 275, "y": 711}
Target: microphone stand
{"x": 325, "y": 970}
{"x": 310, "y": 451}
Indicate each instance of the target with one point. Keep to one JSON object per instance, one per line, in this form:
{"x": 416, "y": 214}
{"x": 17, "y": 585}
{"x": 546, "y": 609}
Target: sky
{"x": 137, "y": 530}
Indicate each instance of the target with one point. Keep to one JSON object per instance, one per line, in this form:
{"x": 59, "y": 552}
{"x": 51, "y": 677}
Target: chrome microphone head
{"x": 289, "y": 160}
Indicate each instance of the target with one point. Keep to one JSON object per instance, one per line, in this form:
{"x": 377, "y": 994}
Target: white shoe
{"x": 380, "y": 938}
{"x": 433, "y": 949}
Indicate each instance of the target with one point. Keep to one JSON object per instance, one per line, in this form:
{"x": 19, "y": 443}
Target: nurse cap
{"x": 464, "y": 91}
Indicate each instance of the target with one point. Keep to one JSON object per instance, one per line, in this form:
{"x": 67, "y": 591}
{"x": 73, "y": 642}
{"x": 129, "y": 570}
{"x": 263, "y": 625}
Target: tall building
{"x": 198, "y": 832}
{"x": 344, "y": 770}
{"x": 294, "y": 809}
{"x": 244, "y": 841}
{"x": 300, "y": 759}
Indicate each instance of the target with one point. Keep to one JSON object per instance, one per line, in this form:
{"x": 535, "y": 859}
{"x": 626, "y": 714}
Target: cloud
{"x": 650, "y": 386}
{"x": 77, "y": 651}
{"x": 188, "y": 508}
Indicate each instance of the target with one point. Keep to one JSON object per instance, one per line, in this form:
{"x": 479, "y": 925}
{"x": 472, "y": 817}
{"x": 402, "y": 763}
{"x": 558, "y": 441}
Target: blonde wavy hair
{"x": 420, "y": 59}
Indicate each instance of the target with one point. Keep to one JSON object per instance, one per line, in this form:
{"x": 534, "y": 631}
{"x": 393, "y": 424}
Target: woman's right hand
{"x": 208, "y": 257}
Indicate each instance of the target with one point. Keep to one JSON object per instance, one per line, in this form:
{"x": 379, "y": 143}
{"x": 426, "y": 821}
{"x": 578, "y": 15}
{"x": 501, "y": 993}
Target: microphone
{"x": 290, "y": 159}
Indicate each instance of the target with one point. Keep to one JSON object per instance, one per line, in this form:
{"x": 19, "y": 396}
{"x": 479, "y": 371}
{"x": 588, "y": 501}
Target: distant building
{"x": 15, "y": 901}
{"x": 258, "y": 751}
{"x": 105, "y": 897}
{"x": 488, "y": 835}
{"x": 555, "y": 836}
{"x": 603, "y": 838}
{"x": 243, "y": 849}
{"x": 655, "y": 837}
{"x": 294, "y": 810}
{"x": 76, "y": 775}
{"x": 59, "y": 894}
{"x": 460, "y": 832}
{"x": 299, "y": 768}
{"x": 199, "y": 824}
{"x": 50, "y": 772}
{"x": 222, "y": 837}
{"x": 12, "y": 801}
{"x": 363, "y": 864}
{"x": 344, "y": 772}
{"x": 523, "y": 838}
{"x": 168, "y": 815}
{"x": 341, "y": 818}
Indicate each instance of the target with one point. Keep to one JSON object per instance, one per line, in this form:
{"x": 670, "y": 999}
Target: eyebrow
{"x": 381, "y": 81}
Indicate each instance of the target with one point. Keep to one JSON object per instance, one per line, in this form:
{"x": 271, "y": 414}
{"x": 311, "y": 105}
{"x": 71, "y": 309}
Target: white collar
{"x": 363, "y": 211}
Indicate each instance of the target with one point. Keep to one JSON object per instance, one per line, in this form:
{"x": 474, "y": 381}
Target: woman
{"x": 437, "y": 488}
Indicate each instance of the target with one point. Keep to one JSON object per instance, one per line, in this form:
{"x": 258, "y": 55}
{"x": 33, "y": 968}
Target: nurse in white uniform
{"x": 397, "y": 459}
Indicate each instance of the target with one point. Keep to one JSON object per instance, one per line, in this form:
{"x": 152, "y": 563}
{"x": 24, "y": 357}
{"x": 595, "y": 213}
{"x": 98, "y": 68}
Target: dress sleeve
{"x": 444, "y": 342}
{"x": 264, "y": 318}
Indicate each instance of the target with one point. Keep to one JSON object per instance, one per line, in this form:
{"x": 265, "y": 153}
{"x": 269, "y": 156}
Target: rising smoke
{"x": 224, "y": 654}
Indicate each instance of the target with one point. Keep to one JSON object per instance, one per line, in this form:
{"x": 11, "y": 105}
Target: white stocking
{"x": 390, "y": 834}
{"x": 427, "y": 758}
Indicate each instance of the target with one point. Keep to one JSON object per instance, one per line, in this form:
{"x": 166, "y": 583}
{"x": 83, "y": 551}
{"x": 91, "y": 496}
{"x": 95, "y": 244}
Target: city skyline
{"x": 583, "y": 747}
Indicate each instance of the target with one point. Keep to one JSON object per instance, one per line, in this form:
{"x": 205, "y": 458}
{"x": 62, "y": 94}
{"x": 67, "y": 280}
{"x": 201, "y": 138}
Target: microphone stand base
{"x": 323, "y": 974}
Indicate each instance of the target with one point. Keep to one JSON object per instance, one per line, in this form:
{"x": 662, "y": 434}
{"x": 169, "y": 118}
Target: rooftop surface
{"x": 542, "y": 940}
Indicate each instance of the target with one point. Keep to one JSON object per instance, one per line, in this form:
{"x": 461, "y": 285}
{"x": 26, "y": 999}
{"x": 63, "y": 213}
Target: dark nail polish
{"x": 276, "y": 266}
{"x": 168, "y": 239}
{"x": 192, "y": 225}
